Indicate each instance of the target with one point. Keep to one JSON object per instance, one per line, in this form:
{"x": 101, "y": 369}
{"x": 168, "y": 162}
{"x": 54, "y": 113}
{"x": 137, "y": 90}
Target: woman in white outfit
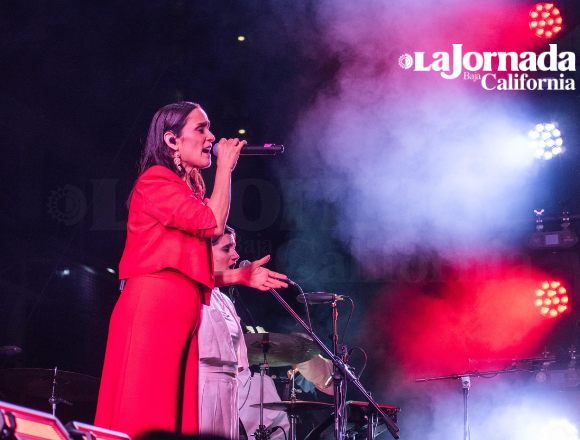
{"x": 222, "y": 350}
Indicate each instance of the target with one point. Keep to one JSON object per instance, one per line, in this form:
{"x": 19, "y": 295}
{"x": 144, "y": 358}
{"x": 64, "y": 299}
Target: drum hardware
{"x": 283, "y": 349}
{"x": 62, "y": 386}
{"x": 8, "y": 351}
{"x": 262, "y": 433}
{"x": 362, "y": 422}
{"x": 341, "y": 370}
{"x": 54, "y": 400}
{"x": 294, "y": 408}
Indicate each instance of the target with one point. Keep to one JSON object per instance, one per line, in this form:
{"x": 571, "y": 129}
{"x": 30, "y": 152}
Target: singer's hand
{"x": 258, "y": 277}
{"x": 229, "y": 151}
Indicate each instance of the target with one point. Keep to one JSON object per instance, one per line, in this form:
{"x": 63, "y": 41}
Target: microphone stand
{"x": 343, "y": 371}
{"x": 466, "y": 383}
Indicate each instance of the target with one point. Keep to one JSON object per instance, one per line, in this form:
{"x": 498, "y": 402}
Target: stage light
{"x": 110, "y": 270}
{"x": 242, "y": 131}
{"x": 241, "y": 38}
{"x": 545, "y": 20}
{"x": 546, "y": 141}
{"x": 82, "y": 431}
{"x": 551, "y": 298}
{"x": 28, "y": 424}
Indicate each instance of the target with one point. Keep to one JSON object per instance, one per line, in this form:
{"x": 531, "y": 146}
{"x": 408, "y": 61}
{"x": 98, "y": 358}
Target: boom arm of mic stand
{"x": 391, "y": 426}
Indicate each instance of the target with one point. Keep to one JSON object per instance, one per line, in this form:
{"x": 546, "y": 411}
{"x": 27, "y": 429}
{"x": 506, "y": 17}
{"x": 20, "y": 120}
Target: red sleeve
{"x": 167, "y": 199}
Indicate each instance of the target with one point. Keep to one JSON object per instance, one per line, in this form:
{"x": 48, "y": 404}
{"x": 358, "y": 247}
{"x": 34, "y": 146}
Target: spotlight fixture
{"x": 551, "y": 298}
{"x": 546, "y": 141}
{"x": 545, "y": 20}
{"x": 541, "y": 239}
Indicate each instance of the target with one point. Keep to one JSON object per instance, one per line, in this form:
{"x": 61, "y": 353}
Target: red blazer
{"x": 168, "y": 228}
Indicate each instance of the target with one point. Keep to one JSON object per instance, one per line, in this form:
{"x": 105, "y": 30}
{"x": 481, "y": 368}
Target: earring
{"x": 177, "y": 160}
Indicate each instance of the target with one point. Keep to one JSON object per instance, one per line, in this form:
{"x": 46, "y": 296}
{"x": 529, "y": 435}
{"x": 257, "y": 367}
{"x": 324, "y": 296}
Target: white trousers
{"x": 218, "y": 405}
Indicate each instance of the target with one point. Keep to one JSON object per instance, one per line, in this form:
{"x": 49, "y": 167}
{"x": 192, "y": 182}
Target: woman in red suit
{"x": 150, "y": 376}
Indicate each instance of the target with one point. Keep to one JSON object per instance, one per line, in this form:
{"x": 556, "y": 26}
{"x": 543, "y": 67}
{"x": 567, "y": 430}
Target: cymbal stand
{"x": 53, "y": 400}
{"x": 341, "y": 366}
{"x": 338, "y": 378}
{"x": 262, "y": 433}
{"x": 292, "y": 416}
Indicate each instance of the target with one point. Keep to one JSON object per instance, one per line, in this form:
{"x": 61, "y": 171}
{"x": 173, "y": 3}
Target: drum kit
{"x": 352, "y": 420}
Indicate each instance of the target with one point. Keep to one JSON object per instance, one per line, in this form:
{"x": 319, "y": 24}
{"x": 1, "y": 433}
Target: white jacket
{"x": 215, "y": 341}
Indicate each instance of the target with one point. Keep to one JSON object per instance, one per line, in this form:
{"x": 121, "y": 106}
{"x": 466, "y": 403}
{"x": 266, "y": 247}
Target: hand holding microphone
{"x": 230, "y": 151}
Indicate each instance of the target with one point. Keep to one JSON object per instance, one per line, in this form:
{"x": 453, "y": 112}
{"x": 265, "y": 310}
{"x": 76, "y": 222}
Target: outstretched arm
{"x": 252, "y": 275}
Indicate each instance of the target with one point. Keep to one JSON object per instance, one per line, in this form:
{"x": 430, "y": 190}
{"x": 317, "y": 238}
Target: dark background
{"x": 79, "y": 83}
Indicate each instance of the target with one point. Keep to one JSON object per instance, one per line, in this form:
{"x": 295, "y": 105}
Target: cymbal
{"x": 284, "y": 349}
{"x": 9, "y": 351}
{"x": 37, "y": 382}
{"x": 295, "y": 407}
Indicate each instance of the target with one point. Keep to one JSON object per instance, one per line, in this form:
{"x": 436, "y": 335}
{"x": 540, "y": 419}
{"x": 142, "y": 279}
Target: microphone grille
{"x": 244, "y": 263}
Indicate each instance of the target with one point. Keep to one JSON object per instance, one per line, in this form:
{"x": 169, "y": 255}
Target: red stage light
{"x": 550, "y": 20}
{"x": 555, "y": 301}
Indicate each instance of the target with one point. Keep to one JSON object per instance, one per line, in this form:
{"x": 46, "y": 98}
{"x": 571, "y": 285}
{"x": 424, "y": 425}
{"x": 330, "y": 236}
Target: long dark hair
{"x": 173, "y": 118}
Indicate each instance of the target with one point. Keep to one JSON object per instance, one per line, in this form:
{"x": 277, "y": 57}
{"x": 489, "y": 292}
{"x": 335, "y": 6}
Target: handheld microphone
{"x": 255, "y": 150}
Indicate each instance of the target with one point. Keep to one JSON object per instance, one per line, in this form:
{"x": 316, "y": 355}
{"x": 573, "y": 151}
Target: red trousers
{"x": 150, "y": 376}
